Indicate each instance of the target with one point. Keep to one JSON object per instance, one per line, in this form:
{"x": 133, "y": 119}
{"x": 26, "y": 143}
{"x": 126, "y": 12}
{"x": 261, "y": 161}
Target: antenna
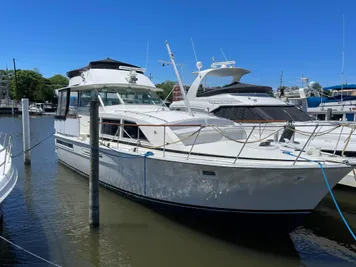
{"x": 198, "y": 64}
{"x": 179, "y": 80}
{"x": 343, "y": 54}
{"x": 167, "y": 63}
{"x": 281, "y": 79}
{"x": 147, "y": 55}
{"x": 195, "y": 54}
{"x": 222, "y": 52}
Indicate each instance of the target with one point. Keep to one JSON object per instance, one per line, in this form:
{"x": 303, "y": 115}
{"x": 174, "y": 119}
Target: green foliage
{"x": 58, "y": 81}
{"x": 32, "y": 85}
{"x": 167, "y": 86}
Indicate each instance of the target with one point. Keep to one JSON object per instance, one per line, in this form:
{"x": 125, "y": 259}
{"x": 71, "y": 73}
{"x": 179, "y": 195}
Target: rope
{"x": 29, "y": 252}
{"x": 167, "y": 144}
{"x": 318, "y": 134}
{"x": 23, "y": 152}
{"x": 242, "y": 142}
{"x": 330, "y": 191}
{"x": 347, "y": 141}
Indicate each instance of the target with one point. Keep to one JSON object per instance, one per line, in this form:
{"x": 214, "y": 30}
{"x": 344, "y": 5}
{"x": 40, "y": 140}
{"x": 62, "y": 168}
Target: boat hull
{"x": 284, "y": 195}
{"x": 8, "y": 180}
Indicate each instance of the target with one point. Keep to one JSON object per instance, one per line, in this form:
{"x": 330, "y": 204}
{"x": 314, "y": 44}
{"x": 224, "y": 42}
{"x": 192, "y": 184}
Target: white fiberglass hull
{"x": 349, "y": 180}
{"x": 238, "y": 189}
{"x": 328, "y": 142}
{"x": 8, "y": 175}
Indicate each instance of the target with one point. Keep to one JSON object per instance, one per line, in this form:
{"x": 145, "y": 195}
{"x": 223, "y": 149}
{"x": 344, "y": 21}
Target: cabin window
{"x": 69, "y": 145}
{"x": 74, "y": 99}
{"x": 84, "y": 98}
{"x": 115, "y": 96}
{"x": 63, "y": 104}
{"x": 109, "y": 98}
{"x": 321, "y": 117}
{"x": 111, "y": 128}
{"x": 131, "y": 130}
{"x": 336, "y": 117}
{"x": 262, "y": 113}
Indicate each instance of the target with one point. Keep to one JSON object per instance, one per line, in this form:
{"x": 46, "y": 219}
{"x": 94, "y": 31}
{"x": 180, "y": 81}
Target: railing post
{"x": 164, "y": 140}
{"x": 338, "y": 140}
{"x": 6, "y": 151}
{"x": 301, "y": 151}
{"x": 138, "y": 137}
{"x": 253, "y": 128}
{"x": 196, "y": 137}
{"x": 259, "y": 128}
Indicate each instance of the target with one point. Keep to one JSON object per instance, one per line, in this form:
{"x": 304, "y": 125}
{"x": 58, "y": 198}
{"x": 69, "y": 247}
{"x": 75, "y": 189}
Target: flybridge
{"x": 108, "y": 64}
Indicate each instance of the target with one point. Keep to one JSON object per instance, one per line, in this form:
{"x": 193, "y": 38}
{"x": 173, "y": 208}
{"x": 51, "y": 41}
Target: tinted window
{"x": 63, "y": 104}
{"x": 110, "y": 128}
{"x": 131, "y": 130}
{"x": 261, "y": 113}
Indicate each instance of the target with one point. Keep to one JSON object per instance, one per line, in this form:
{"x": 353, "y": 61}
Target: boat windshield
{"x": 129, "y": 96}
{"x": 118, "y": 96}
{"x": 262, "y": 113}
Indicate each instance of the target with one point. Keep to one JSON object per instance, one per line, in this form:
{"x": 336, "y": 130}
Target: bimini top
{"x": 107, "y": 63}
{"x": 235, "y": 87}
{"x": 338, "y": 87}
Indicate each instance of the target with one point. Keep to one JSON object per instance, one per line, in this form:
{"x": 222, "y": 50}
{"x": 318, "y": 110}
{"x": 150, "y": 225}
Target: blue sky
{"x": 298, "y": 37}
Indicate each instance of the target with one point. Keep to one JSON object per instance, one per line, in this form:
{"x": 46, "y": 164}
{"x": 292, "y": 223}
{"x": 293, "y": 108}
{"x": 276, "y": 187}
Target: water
{"x": 47, "y": 214}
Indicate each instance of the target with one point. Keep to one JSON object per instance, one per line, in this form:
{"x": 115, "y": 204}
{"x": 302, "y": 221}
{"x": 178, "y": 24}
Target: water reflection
{"x": 133, "y": 235}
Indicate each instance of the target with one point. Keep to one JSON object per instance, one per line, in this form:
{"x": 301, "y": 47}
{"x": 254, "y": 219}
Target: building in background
{"x": 177, "y": 95}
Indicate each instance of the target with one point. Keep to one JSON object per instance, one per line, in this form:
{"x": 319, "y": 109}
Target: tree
{"x": 30, "y": 84}
{"x": 58, "y": 81}
{"x": 167, "y": 87}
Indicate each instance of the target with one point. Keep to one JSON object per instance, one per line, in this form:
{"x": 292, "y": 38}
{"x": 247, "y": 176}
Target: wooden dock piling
{"x": 94, "y": 164}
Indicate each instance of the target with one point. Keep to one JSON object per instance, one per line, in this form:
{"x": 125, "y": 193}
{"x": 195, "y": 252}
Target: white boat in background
{"x": 197, "y": 164}
{"x": 254, "y": 106}
{"x": 33, "y": 109}
{"x": 8, "y": 172}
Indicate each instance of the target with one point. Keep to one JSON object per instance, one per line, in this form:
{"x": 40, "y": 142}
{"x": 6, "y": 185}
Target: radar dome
{"x": 199, "y": 65}
{"x": 312, "y": 84}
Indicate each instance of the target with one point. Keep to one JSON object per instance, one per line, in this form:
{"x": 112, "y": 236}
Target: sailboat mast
{"x": 343, "y": 54}
{"x": 179, "y": 80}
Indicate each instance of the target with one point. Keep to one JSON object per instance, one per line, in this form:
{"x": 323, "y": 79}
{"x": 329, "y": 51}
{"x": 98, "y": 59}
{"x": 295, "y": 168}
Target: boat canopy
{"x": 107, "y": 63}
{"x": 235, "y": 87}
{"x": 338, "y": 87}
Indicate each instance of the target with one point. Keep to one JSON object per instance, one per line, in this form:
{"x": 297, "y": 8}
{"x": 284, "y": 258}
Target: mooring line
{"x": 29, "y": 252}
{"x": 330, "y": 191}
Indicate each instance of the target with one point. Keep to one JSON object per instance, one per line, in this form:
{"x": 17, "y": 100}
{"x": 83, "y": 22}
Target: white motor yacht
{"x": 190, "y": 163}
{"x": 254, "y": 106}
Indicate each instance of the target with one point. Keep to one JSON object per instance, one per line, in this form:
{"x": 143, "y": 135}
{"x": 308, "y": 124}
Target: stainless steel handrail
{"x": 310, "y": 136}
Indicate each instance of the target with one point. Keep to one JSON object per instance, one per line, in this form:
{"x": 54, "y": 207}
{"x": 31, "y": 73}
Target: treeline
{"x": 32, "y": 85}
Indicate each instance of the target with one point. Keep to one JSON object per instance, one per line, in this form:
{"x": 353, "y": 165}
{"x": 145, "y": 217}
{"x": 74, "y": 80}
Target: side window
{"x": 84, "y": 98}
{"x": 110, "y": 129}
{"x": 132, "y": 131}
{"x": 321, "y": 117}
{"x": 336, "y": 117}
{"x": 63, "y": 104}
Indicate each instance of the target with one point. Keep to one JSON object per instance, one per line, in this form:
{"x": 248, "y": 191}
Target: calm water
{"x": 47, "y": 214}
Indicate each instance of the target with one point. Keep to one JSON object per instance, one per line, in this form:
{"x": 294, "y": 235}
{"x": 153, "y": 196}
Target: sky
{"x": 297, "y": 37}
